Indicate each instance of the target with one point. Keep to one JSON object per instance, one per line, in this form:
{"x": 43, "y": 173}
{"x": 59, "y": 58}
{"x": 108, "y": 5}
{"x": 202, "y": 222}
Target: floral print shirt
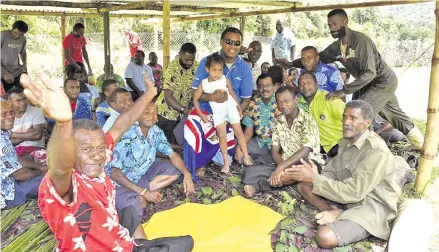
{"x": 8, "y": 165}
{"x": 261, "y": 116}
{"x": 179, "y": 81}
{"x": 304, "y": 132}
{"x": 90, "y": 222}
{"x": 134, "y": 153}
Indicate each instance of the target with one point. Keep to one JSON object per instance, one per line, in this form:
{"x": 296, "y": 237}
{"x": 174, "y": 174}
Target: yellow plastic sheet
{"x": 236, "y": 224}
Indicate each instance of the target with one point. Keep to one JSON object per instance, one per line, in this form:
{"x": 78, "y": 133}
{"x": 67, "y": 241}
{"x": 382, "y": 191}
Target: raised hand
{"x": 150, "y": 86}
{"x": 47, "y": 96}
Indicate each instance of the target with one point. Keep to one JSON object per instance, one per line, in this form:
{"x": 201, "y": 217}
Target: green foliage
{"x": 207, "y": 190}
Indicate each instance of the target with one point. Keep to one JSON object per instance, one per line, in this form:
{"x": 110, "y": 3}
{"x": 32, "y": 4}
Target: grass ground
{"x": 294, "y": 233}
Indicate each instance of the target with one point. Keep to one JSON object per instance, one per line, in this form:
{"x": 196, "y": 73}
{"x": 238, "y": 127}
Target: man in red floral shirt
{"x": 79, "y": 204}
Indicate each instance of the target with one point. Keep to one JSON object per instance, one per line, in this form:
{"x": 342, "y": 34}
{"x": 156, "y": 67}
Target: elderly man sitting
{"x": 358, "y": 190}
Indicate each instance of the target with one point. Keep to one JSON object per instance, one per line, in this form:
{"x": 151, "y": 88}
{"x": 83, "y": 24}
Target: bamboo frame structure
{"x": 107, "y": 46}
{"x": 63, "y": 35}
{"x": 73, "y": 14}
{"x": 166, "y": 32}
{"x": 263, "y": 3}
{"x": 431, "y": 142}
{"x": 298, "y": 9}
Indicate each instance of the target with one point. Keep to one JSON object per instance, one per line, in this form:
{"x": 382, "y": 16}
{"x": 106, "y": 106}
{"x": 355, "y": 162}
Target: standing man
{"x": 174, "y": 103}
{"x": 134, "y": 42}
{"x": 255, "y": 52}
{"x": 134, "y": 75}
{"x": 283, "y": 44}
{"x": 328, "y": 77}
{"x": 27, "y": 135}
{"x": 375, "y": 82}
{"x": 75, "y": 51}
{"x": 13, "y": 47}
{"x": 156, "y": 68}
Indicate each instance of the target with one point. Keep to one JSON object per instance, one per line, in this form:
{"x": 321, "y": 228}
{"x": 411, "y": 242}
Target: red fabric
{"x": 75, "y": 45}
{"x": 157, "y": 76}
{"x": 90, "y": 222}
{"x": 2, "y": 91}
{"x": 73, "y": 106}
{"x": 134, "y": 38}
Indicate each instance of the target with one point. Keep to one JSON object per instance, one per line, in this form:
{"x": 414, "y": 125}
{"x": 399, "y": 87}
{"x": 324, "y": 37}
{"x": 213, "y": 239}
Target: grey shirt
{"x": 362, "y": 60}
{"x": 11, "y": 49}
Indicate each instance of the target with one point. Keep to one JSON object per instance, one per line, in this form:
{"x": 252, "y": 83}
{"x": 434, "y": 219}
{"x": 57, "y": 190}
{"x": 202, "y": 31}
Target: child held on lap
{"x": 228, "y": 111}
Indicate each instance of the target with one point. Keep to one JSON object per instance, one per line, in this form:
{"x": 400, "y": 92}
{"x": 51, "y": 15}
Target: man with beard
{"x": 283, "y": 44}
{"x": 174, "y": 102}
{"x": 255, "y": 51}
{"x": 375, "y": 82}
{"x": 259, "y": 119}
{"x": 328, "y": 77}
{"x": 357, "y": 191}
{"x": 74, "y": 49}
{"x": 13, "y": 48}
{"x": 134, "y": 75}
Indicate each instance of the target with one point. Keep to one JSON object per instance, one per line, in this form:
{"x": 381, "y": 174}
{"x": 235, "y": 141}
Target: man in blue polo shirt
{"x": 241, "y": 77}
{"x": 328, "y": 77}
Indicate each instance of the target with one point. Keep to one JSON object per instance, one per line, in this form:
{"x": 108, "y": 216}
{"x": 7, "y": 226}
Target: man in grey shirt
{"x": 13, "y": 46}
{"x": 134, "y": 75}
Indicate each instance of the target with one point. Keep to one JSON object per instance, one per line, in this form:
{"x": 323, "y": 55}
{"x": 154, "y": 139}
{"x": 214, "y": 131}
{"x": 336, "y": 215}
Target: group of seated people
{"x": 105, "y": 170}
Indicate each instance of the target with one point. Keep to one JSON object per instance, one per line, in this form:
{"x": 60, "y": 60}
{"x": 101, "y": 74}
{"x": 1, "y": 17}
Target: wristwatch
{"x": 182, "y": 109}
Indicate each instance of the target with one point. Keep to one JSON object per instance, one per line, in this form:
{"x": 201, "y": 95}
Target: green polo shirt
{"x": 329, "y": 116}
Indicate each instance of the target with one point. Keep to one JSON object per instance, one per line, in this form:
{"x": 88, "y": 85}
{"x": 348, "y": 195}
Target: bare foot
{"x": 249, "y": 190}
{"x": 153, "y": 196}
{"x": 201, "y": 172}
{"x": 329, "y": 216}
{"x": 248, "y": 161}
{"x": 226, "y": 169}
{"x": 238, "y": 157}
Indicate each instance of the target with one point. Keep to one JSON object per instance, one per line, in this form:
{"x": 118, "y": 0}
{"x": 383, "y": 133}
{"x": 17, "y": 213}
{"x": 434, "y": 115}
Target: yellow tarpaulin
{"x": 236, "y": 224}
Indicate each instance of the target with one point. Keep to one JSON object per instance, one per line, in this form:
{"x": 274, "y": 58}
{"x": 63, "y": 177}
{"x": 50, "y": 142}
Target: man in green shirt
{"x": 119, "y": 80}
{"x": 358, "y": 190}
{"x": 327, "y": 113}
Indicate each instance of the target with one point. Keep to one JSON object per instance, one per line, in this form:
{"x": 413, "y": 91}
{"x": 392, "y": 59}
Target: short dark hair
{"x": 85, "y": 124}
{"x": 113, "y": 96}
{"x": 14, "y": 90}
{"x": 152, "y": 53}
{"x": 261, "y": 77}
{"x": 340, "y": 12}
{"x": 232, "y": 30}
{"x": 343, "y": 70}
{"x": 20, "y": 25}
{"x": 188, "y": 48}
{"x": 290, "y": 70}
{"x": 255, "y": 42}
{"x": 214, "y": 58}
{"x": 142, "y": 52}
{"x": 266, "y": 63}
{"x": 69, "y": 79}
{"x": 78, "y": 26}
{"x": 366, "y": 109}
{"x": 306, "y": 48}
{"x": 277, "y": 73}
{"x": 286, "y": 88}
{"x": 308, "y": 73}
{"x": 107, "y": 83}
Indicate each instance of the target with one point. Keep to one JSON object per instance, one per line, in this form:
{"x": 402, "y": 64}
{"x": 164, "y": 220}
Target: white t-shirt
{"x": 32, "y": 117}
{"x": 282, "y": 42}
{"x": 134, "y": 71}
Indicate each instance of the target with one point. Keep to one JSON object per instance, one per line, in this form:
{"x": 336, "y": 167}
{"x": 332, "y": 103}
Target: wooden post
{"x": 242, "y": 27}
{"x": 107, "y": 47}
{"x": 63, "y": 35}
{"x": 431, "y": 142}
{"x": 166, "y": 32}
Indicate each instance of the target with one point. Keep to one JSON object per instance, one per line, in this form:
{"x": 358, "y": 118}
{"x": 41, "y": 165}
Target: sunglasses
{"x": 232, "y": 42}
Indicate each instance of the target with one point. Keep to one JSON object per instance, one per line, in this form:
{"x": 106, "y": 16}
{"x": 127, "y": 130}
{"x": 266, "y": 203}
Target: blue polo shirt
{"x": 239, "y": 74}
{"x": 328, "y": 77}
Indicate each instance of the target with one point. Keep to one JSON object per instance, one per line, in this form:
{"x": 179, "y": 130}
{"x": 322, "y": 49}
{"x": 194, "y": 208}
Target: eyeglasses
{"x": 232, "y": 42}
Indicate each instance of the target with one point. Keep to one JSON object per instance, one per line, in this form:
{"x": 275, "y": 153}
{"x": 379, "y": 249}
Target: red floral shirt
{"x": 90, "y": 222}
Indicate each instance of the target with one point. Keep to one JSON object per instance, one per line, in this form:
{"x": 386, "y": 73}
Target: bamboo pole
{"x": 72, "y": 14}
{"x": 54, "y": 4}
{"x": 264, "y": 3}
{"x": 242, "y": 27}
{"x": 166, "y": 32}
{"x": 63, "y": 35}
{"x": 131, "y": 6}
{"x": 431, "y": 142}
{"x": 107, "y": 47}
{"x": 298, "y": 9}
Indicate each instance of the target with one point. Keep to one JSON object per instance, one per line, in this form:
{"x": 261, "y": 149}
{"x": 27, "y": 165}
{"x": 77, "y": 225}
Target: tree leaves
{"x": 347, "y": 248}
{"x": 207, "y": 190}
{"x": 300, "y": 229}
